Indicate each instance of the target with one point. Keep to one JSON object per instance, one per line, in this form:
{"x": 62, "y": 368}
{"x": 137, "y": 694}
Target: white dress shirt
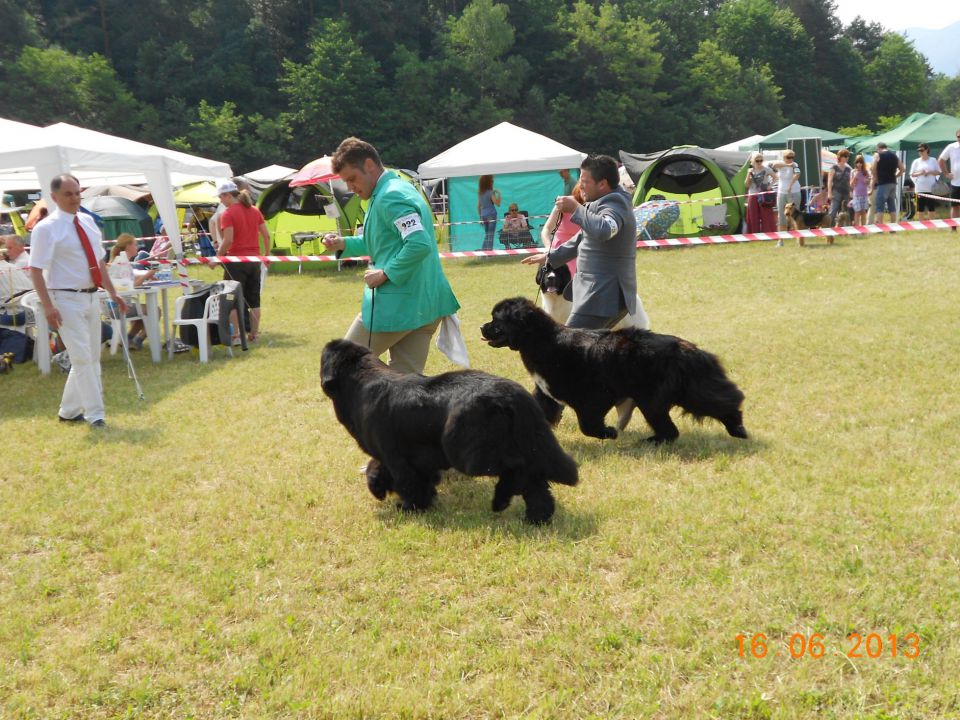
{"x": 56, "y": 249}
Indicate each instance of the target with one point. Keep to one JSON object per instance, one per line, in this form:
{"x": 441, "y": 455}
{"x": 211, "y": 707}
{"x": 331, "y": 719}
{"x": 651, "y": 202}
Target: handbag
{"x": 767, "y": 199}
{"x": 940, "y": 188}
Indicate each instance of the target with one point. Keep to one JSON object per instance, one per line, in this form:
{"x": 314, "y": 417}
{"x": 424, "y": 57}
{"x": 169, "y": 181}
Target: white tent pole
{"x": 162, "y": 189}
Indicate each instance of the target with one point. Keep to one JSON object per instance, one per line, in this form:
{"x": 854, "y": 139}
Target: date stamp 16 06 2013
{"x": 857, "y": 645}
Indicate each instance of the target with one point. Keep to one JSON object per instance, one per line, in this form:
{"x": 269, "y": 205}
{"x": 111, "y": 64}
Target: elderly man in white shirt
{"x": 67, "y": 270}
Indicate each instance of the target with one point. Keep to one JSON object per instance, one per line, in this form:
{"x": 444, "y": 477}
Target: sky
{"x": 900, "y": 15}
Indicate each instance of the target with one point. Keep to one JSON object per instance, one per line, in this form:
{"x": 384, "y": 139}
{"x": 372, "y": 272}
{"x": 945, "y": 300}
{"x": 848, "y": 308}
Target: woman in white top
{"x": 788, "y": 186}
{"x": 924, "y": 171}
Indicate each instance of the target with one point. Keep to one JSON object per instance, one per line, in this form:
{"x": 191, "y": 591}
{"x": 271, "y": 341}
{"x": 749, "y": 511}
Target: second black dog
{"x": 593, "y": 370}
{"x": 415, "y": 426}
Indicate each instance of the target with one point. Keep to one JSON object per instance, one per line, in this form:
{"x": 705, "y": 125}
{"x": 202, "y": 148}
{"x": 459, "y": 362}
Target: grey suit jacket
{"x": 606, "y": 252}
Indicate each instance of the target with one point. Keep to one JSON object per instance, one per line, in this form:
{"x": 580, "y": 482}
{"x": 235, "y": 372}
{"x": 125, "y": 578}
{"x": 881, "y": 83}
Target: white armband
{"x": 408, "y": 224}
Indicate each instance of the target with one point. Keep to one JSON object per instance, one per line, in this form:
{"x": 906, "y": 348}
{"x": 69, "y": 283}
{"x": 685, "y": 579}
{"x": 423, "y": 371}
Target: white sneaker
{"x": 779, "y": 243}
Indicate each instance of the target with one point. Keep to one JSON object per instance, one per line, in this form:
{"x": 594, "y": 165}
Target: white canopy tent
{"x": 504, "y": 148}
{"x": 269, "y": 174}
{"x": 97, "y": 158}
{"x": 747, "y": 143}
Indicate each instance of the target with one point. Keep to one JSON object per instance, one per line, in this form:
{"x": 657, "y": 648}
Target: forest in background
{"x": 255, "y": 82}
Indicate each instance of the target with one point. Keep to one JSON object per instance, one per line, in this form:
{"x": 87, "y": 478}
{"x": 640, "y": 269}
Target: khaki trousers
{"x": 408, "y": 348}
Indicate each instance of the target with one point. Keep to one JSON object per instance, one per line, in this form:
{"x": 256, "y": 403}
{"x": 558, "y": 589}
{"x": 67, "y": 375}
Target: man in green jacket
{"x": 406, "y": 293}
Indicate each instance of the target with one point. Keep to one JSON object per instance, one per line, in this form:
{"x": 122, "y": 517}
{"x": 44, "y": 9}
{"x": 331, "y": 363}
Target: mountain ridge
{"x": 938, "y": 46}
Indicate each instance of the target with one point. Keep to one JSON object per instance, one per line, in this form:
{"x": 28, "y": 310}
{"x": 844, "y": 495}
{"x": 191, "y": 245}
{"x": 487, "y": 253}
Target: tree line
{"x": 254, "y": 82}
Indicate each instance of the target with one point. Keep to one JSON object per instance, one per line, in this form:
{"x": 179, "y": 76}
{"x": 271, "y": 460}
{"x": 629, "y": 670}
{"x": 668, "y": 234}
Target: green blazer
{"x": 399, "y": 238}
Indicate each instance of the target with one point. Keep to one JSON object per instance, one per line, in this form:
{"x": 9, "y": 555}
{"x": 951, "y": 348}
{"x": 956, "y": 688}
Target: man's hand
{"x": 537, "y": 259}
{"x": 332, "y": 241}
{"x": 53, "y": 316}
{"x": 567, "y": 204}
{"x": 121, "y": 305}
{"x": 375, "y": 278}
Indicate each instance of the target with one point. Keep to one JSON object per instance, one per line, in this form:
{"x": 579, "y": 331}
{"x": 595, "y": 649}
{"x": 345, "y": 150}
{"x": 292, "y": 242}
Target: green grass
{"x": 216, "y": 554}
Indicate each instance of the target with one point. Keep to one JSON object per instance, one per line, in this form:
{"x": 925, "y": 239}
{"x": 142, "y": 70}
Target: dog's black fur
{"x": 414, "y": 426}
{"x": 593, "y": 370}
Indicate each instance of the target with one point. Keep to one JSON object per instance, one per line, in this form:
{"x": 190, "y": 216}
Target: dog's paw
{"x": 609, "y": 433}
{"x": 407, "y": 506}
{"x": 738, "y": 432}
{"x": 659, "y": 439}
{"x": 500, "y": 503}
{"x": 377, "y": 487}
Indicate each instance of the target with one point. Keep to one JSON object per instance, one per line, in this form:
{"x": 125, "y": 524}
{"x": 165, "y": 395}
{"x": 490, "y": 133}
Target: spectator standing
{"x": 406, "y": 293}
{"x": 838, "y": 185}
{"x": 605, "y": 285}
{"x": 66, "y": 274}
{"x": 758, "y": 184}
{"x": 887, "y": 167}
{"x": 488, "y": 200}
{"x": 568, "y": 182}
{"x": 860, "y": 187}
{"x": 951, "y": 155}
{"x": 788, "y": 186}
{"x": 241, "y": 228}
{"x": 924, "y": 171}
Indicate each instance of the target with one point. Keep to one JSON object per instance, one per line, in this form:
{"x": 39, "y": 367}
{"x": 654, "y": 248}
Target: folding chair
{"x": 713, "y": 218}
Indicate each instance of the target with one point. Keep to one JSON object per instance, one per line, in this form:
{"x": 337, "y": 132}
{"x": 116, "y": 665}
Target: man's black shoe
{"x": 99, "y": 424}
{"x": 78, "y": 418}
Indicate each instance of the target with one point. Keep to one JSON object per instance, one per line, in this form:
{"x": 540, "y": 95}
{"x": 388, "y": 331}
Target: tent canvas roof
{"x": 778, "y": 140}
{"x": 504, "y": 148}
{"x": 935, "y": 129}
{"x": 45, "y": 152}
{"x": 729, "y": 162}
{"x": 269, "y": 174}
{"x": 747, "y": 143}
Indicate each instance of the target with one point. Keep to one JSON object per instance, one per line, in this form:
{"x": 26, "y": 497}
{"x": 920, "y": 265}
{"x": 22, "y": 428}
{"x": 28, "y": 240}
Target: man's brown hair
{"x": 354, "y": 151}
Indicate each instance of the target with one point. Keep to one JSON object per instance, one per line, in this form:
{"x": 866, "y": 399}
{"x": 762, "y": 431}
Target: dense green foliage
{"x": 254, "y": 82}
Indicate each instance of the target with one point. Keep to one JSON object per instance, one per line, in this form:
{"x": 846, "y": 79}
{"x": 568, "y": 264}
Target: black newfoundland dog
{"x": 414, "y": 426}
{"x": 593, "y": 370}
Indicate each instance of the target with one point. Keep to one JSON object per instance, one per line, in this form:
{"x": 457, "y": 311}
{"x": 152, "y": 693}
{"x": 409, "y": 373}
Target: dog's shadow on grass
{"x": 463, "y": 504}
{"x": 693, "y": 445}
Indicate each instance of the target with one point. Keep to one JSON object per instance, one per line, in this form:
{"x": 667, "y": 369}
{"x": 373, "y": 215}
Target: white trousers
{"x": 559, "y": 309}
{"x": 80, "y": 332}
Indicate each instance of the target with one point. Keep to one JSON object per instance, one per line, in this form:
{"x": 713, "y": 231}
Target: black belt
{"x": 84, "y": 290}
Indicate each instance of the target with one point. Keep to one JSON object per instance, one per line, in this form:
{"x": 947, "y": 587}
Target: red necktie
{"x": 88, "y": 251}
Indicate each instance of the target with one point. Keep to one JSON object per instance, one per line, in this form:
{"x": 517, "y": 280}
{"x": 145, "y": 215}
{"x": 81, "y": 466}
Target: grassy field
{"x": 216, "y": 554}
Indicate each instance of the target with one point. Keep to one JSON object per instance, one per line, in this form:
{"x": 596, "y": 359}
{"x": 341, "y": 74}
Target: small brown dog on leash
{"x": 797, "y": 220}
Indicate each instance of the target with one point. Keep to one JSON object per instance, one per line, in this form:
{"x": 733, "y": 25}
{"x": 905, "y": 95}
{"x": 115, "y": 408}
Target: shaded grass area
{"x": 216, "y": 554}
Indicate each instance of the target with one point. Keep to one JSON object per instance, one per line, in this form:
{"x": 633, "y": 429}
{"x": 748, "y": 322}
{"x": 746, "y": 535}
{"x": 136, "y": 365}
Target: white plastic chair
{"x": 211, "y": 316}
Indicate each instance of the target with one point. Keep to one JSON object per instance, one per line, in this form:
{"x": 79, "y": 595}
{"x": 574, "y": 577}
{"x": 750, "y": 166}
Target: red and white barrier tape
{"x": 664, "y": 242}
{"x": 938, "y": 197}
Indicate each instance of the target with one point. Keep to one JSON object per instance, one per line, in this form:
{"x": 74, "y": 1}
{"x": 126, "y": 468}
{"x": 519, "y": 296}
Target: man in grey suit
{"x": 605, "y": 285}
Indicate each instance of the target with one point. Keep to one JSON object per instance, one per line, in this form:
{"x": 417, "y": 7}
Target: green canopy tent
{"x": 778, "y": 140}
{"x": 697, "y": 178}
{"x": 935, "y": 129}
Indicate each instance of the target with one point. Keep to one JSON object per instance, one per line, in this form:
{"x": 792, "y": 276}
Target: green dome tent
{"x": 121, "y": 215}
{"x": 689, "y": 173}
